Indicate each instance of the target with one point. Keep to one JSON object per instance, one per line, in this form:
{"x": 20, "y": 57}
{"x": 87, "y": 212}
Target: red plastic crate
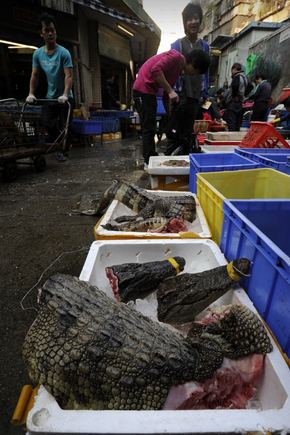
{"x": 222, "y": 142}
{"x": 263, "y": 135}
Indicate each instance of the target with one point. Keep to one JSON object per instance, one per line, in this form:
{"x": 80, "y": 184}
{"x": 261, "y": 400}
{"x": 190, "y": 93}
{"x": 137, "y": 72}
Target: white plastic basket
{"x": 225, "y": 135}
{"x": 156, "y": 167}
{"x": 197, "y": 229}
{"x": 218, "y": 148}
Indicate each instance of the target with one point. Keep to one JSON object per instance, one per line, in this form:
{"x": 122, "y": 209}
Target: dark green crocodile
{"x": 92, "y": 352}
{"x": 147, "y": 204}
{"x": 181, "y": 298}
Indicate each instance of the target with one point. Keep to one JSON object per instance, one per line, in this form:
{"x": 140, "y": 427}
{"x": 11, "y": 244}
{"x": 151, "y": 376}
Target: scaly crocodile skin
{"x": 182, "y": 297}
{"x": 91, "y": 352}
{"x": 147, "y": 204}
{"x": 87, "y": 349}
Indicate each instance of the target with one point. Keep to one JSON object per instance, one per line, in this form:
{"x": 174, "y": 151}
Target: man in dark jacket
{"x": 189, "y": 88}
{"x": 234, "y": 99}
{"x": 261, "y": 98}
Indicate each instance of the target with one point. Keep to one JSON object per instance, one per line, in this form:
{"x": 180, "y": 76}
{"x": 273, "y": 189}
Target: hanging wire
{"x": 84, "y": 248}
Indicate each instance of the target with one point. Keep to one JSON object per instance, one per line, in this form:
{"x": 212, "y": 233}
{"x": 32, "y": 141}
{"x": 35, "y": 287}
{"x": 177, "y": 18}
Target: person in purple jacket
{"x": 161, "y": 72}
{"x": 193, "y": 90}
{"x": 261, "y": 98}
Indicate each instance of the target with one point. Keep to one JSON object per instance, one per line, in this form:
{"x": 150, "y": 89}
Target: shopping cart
{"x": 23, "y": 138}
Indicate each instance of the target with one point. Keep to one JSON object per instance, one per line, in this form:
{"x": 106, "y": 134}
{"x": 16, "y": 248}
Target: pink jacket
{"x": 170, "y": 63}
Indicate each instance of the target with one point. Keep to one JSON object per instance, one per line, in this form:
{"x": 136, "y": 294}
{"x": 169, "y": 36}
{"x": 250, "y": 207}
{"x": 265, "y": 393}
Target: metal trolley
{"x": 23, "y": 138}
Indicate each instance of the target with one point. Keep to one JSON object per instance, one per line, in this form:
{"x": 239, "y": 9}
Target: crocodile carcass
{"x": 92, "y": 352}
{"x": 181, "y": 298}
{"x": 147, "y": 204}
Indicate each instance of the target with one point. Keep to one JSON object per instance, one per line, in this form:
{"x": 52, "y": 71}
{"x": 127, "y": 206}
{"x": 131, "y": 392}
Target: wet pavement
{"x": 40, "y": 236}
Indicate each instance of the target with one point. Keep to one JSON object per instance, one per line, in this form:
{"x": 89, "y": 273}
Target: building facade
{"x": 237, "y": 49}
{"x": 275, "y": 48}
{"x": 229, "y": 17}
{"x": 232, "y": 27}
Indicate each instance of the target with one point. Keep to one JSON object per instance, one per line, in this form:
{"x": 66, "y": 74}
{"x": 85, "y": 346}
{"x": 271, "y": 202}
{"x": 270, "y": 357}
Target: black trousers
{"x": 54, "y": 117}
{"x": 186, "y": 115}
{"x": 180, "y": 125}
{"x": 234, "y": 115}
{"x": 260, "y": 111}
{"x": 146, "y": 106}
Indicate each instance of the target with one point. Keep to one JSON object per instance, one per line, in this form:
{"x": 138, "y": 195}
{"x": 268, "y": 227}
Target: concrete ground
{"x": 39, "y": 235}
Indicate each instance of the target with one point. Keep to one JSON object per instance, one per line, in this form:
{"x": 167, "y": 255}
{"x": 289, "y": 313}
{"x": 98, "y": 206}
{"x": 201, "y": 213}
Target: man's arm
{"x": 166, "y": 64}
{"x": 68, "y": 80}
{"x": 33, "y": 81}
{"x": 163, "y": 83}
{"x": 67, "y": 85}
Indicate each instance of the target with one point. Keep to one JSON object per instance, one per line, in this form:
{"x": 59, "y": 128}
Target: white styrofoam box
{"x": 272, "y": 412}
{"x": 199, "y": 254}
{"x": 156, "y": 167}
{"x": 218, "y": 148}
{"x": 225, "y": 135}
{"x": 199, "y": 227}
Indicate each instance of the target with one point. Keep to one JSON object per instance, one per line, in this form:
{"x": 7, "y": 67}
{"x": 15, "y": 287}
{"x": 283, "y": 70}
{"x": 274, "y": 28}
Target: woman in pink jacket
{"x": 161, "y": 72}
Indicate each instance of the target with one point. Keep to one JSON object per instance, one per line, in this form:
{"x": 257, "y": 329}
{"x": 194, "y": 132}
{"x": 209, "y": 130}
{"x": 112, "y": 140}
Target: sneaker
{"x": 60, "y": 156}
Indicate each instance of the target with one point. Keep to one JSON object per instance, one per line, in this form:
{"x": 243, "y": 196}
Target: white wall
{"x": 238, "y": 51}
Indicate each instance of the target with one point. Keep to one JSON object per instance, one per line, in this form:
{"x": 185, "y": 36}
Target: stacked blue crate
{"x": 280, "y": 162}
{"x": 252, "y": 153}
{"x": 215, "y": 162}
{"x": 258, "y": 230}
{"x": 86, "y": 127}
{"x": 110, "y": 124}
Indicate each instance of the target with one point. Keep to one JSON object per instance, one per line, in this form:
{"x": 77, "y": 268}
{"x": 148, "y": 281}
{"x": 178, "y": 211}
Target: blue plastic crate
{"x": 118, "y": 114}
{"x": 259, "y": 231}
{"x": 280, "y": 162}
{"x": 251, "y": 153}
{"x": 216, "y": 162}
{"x": 109, "y": 124}
{"x": 103, "y": 113}
{"x": 87, "y": 127}
{"x": 125, "y": 114}
{"x": 160, "y": 107}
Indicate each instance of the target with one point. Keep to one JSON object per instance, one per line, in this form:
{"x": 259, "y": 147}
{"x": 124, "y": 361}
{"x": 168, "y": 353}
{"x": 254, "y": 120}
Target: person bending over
{"x": 162, "y": 71}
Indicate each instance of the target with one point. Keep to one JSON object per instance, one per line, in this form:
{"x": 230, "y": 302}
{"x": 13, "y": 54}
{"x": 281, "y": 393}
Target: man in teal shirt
{"x": 56, "y": 63}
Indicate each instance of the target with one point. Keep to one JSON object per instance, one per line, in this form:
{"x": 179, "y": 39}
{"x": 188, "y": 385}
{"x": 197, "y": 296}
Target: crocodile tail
{"x": 107, "y": 197}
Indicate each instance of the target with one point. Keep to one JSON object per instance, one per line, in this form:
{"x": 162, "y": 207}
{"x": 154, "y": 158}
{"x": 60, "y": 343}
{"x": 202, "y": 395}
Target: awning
{"x": 98, "y": 6}
{"x": 221, "y": 40}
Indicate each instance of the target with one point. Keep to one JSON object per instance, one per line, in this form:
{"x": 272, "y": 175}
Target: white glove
{"x": 62, "y": 99}
{"x": 31, "y": 99}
